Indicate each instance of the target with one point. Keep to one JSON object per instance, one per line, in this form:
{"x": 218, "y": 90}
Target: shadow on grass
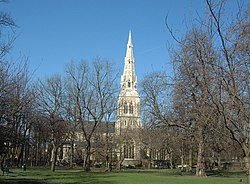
{"x": 57, "y": 178}
{"x": 81, "y": 177}
{"x": 226, "y": 174}
{"x": 20, "y": 181}
{"x": 44, "y": 176}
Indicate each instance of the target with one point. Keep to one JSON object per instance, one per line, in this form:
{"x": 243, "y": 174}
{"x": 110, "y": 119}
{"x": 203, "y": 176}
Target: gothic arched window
{"x": 125, "y": 108}
{"x": 130, "y": 108}
{"x": 130, "y": 122}
{"x": 129, "y": 150}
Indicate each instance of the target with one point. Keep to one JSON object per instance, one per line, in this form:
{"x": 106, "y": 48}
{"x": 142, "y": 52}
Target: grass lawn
{"x": 41, "y": 175}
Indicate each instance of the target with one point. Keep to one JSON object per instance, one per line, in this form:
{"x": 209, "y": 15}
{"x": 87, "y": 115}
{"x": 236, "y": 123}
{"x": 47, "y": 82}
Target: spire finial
{"x": 130, "y": 38}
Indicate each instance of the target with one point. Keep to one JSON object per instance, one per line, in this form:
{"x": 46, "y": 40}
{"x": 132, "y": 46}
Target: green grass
{"x": 77, "y": 176}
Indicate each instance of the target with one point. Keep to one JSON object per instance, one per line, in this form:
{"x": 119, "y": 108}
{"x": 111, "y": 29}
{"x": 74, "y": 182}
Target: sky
{"x": 51, "y": 33}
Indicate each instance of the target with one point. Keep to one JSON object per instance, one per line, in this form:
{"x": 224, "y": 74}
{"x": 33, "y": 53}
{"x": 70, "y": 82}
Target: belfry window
{"x": 125, "y": 108}
{"x": 131, "y": 108}
{"x": 129, "y": 84}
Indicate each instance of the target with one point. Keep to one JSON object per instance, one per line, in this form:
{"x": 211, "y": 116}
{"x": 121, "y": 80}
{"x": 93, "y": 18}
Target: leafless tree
{"x": 194, "y": 77}
{"x": 212, "y": 76}
{"x": 49, "y": 95}
{"x": 232, "y": 79}
{"x": 17, "y": 99}
{"x": 40, "y": 141}
{"x": 7, "y": 33}
{"x": 16, "y": 96}
{"x": 91, "y": 88}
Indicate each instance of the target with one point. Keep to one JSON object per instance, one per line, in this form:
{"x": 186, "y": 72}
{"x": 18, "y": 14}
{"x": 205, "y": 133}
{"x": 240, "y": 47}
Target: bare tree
{"x": 168, "y": 111}
{"x": 50, "y": 105}
{"x": 212, "y": 76}
{"x": 91, "y": 88}
{"x": 232, "y": 80}
{"x": 156, "y": 94}
{"x": 16, "y": 96}
{"x": 16, "y": 109}
{"x": 194, "y": 77}
{"x": 7, "y": 36}
{"x": 40, "y": 141}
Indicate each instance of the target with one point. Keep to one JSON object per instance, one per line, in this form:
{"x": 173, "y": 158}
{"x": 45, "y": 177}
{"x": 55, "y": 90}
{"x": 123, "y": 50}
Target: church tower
{"x": 128, "y": 114}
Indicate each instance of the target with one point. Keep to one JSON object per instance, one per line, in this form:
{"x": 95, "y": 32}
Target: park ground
{"x": 159, "y": 176}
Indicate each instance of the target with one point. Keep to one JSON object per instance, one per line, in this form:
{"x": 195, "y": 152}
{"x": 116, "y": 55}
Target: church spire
{"x": 129, "y": 53}
{"x": 129, "y": 79}
{"x": 128, "y": 122}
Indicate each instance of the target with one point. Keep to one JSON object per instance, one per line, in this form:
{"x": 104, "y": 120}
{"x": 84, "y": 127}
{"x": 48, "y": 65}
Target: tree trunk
{"x": 200, "y": 170}
{"x": 247, "y": 165}
{"x": 219, "y": 163}
{"x": 53, "y": 158}
{"x": 190, "y": 159}
{"x": 119, "y": 161}
{"x": 71, "y": 155}
{"x": 171, "y": 160}
{"x": 87, "y": 157}
{"x": 182, "y": 159}
{"x": 25, "y": 156}
{"x": 149, "y": 162}
{"x": 20, "y": 157}
{"x": 118, "y": 164}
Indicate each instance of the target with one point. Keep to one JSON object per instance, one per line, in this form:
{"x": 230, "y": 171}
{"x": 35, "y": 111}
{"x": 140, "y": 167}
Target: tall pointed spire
{"x": 128, "y": 124}
{"x": 129, "y": 53}
{"x": 129, "y": 80}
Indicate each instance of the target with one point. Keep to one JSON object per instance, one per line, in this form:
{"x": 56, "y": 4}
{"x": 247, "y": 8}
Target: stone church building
{"x": 128, "y": 121}
{"x": 128, "y": 146}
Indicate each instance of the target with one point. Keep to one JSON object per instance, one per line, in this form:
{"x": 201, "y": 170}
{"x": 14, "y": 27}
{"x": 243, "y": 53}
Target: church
{"x": 128, "y": 123}
{"x": 125, "y": 145}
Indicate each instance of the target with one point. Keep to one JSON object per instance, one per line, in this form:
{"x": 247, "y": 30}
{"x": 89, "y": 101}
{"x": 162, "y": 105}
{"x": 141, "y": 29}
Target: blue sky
{"x": 54, "y": 32}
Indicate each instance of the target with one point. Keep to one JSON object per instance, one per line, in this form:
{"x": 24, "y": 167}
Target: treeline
{"x": 205, "y": 106}
{"x": 38, "y": 118}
